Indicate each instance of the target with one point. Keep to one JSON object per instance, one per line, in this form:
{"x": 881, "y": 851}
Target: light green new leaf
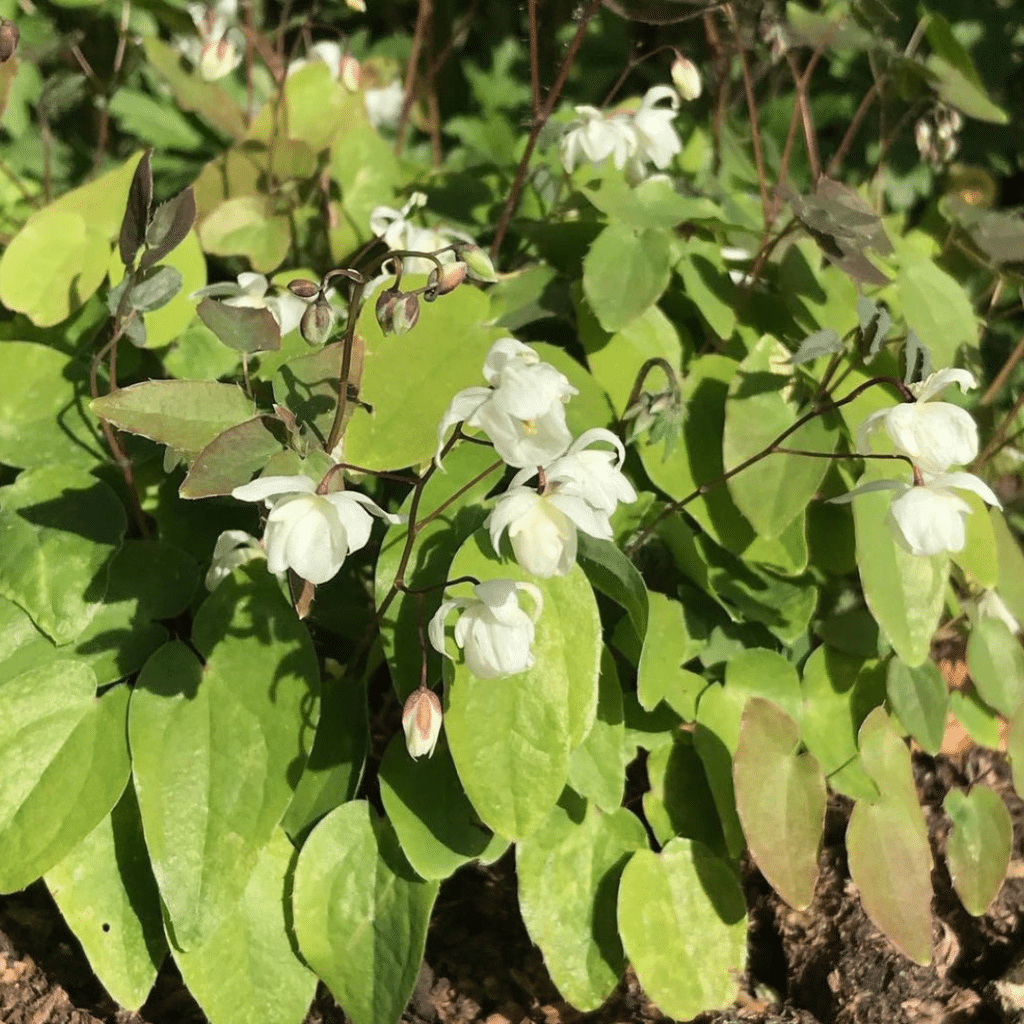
{"x": 979, "y": 846}
{"x": 996, "y": 662}
{"x": 904, "y": 591}
{"x": 107, "y": 894}
{"x": 887, "y": 843}
{"x": 253, "y": 704}
{"x": 680, "y": 801}
{"x": 568, "y": 873}
{"x": 960, "y": 91}
{"x": 937, "y": 309}
{"x": 780, "y": 797}
{"x": 615, "y": 576}
{"x": 1015, "y": 749}
{"x": 246, "y": 226}
{"x": 708, "y": 285}
{"x": 980, "y": 721}
{"x": 58, "y": 531}
{"x": 249, "y": 972}
{"x": 979, "y": 558}
{"x": 511, "y": 738}
{"x": 185, "y": 415}
{"x": 625, "y": 272}
{"x": 683, "y": 924}
{"x": 660, "y": 675}
{"x": 1011, "y": 565}
{"x": 920, "y": 699}
{"x": 431, "y": 814}
{"x": 361, "y": 913}
{"x": 763, "y": 402}
{"x": 63, "y": 765}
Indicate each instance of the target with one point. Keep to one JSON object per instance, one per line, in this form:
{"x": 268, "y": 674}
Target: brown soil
{"x": 826, "y": 965}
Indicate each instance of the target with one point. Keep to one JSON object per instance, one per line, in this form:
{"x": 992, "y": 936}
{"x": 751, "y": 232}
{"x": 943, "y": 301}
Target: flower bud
{"x": 421, "y": 720}
{"x": 686, "y": 77}
{"x": 349, "y": 73}
{"x": 303, "y": 288}
{"x": 923, "y": 138}
{"x": 478, "y": 263}
{"x": 217, "y": 58}
{"x": 317, "y": 323}
{"x": 9, "y": 35}
{"x": 385, "y": 309}
{"x": 450, "y": 278}
{"x": 405, "y": 315}
{"x": 357, "y": 5}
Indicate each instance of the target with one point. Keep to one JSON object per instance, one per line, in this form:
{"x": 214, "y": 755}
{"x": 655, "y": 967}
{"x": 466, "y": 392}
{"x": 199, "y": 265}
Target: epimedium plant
{"x": 440, "y": 489}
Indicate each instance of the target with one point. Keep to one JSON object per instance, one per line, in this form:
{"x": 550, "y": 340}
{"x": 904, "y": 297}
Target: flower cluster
{"x": 633, "y": 139}
{"x": 927, "y": 516}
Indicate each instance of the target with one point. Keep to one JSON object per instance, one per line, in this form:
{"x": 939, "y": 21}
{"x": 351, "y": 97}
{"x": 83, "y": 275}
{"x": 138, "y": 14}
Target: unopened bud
{"x": 357, "y": 5}
{"x": 349, "y": 73}
{"x": 385, "y": 309}
{"x": 217, "y": 58}
{"x": 686, "y": 77}
{"x": 478, "y": 263}
{"x": 421, "y": 720}
{"x": 450, "y": 278}
{"x": 923, "y": 138}
{"x": 9, "y": 36}
{"x": 406, "y": 314}
{"x": 303, "y": 288}
{"x": 317, "y": 323}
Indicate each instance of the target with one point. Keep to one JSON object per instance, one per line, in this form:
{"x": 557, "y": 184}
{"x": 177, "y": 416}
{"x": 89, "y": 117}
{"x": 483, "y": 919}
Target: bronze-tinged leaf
{"x": 171, "y": 222}
{"x": 243, "y": 328}
{"x": 136, "y": 213}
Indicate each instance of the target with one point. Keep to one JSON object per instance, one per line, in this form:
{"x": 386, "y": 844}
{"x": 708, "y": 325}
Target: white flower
{"x": 217, "y": 51}
{"x": 582, "y": 490}
{"x": 233, "y": 548}
{"x": 929, "y": 518}
{"x": 384, "y": 105}
{"x": 657, "y": 140}
{"x": 686, "y": 77}
{"x": 421, "y": 720}
{"x": 251, "y": 292}
{"x": 342, "y": 65}
{"x": 493, "y": 631}
{"x": 933, "y": 435}
{"x": 308, "y": 532}
{"x": 593, "y": 137}
{"x": 522, "y": 412}
{"x": 991, "y": 606}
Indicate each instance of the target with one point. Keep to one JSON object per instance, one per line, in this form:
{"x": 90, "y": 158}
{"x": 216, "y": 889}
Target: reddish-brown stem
{"x": 803, "y": 104}
{"x": 538, "y": 124}
{"x": 424, "y": 17}
{"x": 997, "y": 440}
{"x": 531, "y": 9}
{"x": 1003, "y": 375}
{"x": 853, "y": 127}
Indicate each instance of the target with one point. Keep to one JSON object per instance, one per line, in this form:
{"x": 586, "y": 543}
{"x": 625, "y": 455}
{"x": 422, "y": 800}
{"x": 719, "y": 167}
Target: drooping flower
{"x": 686, "y": 77}
{"x": 495, "y": 634}
{"x": 991, "y": 606}
{"x": 307, "y": 532}
{"x": 384, "y": 105}
{"x": 933, "y": 435}
{"x": 233, "y": 548}
{"x": 218, "y": 50}
{"x": 251, "y": 292}
{"x": 522, "y": 412}
{"x": 593, "y": 138}
{"x": 421, "y": 720}
{"x": 656, "y": 138}
{"x": 581, "y": 491}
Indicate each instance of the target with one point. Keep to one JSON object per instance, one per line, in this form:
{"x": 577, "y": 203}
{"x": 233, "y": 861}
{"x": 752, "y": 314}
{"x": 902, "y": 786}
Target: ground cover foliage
{"x": 414, "y": 416}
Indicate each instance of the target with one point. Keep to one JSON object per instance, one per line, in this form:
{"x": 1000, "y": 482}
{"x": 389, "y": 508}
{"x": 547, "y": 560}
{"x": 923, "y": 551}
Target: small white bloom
{"x": 421, "y": 720}
{"x": 308, "y": 532}
{"x": 991, "y": 606}
{"x": 384, "y": 105}
{"x": 657, "y": 140}
{"x": 933, "y": 435}
{"x": 686, "y": 77}
{"x": 217, "y": 51}
{"x": 929, "y": 518}
{"x": 522, "y": 412}
{"x": 595, "y": 475}
{"x": 493, "y": 631}
{"x": 233, "y": 548}
{"x": 593, "y": 137}
{"x": 251, "y": 292}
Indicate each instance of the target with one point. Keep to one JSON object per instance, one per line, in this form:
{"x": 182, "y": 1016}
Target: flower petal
{"x": 269, "y": 486}
{"x": 937, "y": 382}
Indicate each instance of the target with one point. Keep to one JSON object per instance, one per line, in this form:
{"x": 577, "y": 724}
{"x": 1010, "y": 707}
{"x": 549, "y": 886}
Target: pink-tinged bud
{"x": 317, "y": 323}
{"x": 421, "y": 720}
{"x": 478, "y": 263}
{"x": 303, "y": 288}
{"x": 686, "y": 77}
{"x": 406, "y": 314}
{"x": 385, "y": 309}
{"x": 9, "y": 36}
{"x": 450, "y": 278}
{"x": 350, "y": 73}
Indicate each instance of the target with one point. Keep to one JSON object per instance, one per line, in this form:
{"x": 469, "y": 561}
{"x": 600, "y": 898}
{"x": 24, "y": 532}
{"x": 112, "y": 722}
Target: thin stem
{"x": 538, "y": 124}
{"x": 853, "y": 127}
{"x": 531, "y": 10}
{"x": 424, "y": 17}
{"x": 1001, "y": 377}
{"x": 338, "y": 426}
{"x": 439, "y": 586}
{"x": 802, "y": 101}
{"x": 777, "y": 450}
{"x": 458, "y": 494}
{"x": 996, "y": 442}
{"x": 675, "y": 506}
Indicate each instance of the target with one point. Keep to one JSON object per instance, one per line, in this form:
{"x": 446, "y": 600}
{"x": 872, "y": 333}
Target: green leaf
{"x": 569, "y": 873}
{"x": 980, "y": 721}
{"x": 233, "y": 457}
{"x": 242, "y": 328}
{"x": 431, "y": 814}
{"x": 185, "y": 415}
{"x": 979, "y": 846}
{"x": 708, "y": 285}
{"x": 936, "y": 307}
{"x": 654, "y": 203}
{"x": 920, "y": 700}
{"x": 680, "y": 802}
{"x": 764, "y": 400}
{"x": 625, "y": 272}
{"x": 887, "y": 843}
{"x": 44, "y": 420}
{"x": 905, "y": 592}
{"x": 146, "y": 118}
{"x": 780, "y": 797}
{"x": 248, "y": 971}
{"x": 510, "y": 738}
{"x": 597, "y": 767}
{"x": 361, "y": 913}
{"x": 979, "y": 558}
{"x": 107, "y": 894}
{"x": 63, "y": 765}
{"x": 611, "y": 573}
{"x": 683, "y": 924}
{"x": 1015, "y": 749}
{"x": 58, "y": 531}
{"x": 996, "y": 663}
{"x": 246, "y": 226}
{"x": 660, "y": 675}
{"x": 252, "y": 703}
{"x": 1011, "y": 565}
{"x": 960, "y": 91}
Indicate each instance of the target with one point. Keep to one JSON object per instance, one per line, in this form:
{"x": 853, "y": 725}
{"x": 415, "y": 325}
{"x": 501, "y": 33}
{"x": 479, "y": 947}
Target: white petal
{"x": 937, "y": 382}
{"x": 935, "y": 435}
{"x": 254, "y": 285}
{"x": 435, "y": 628}
{"x": 503, "y": 351}
{"x": 928, "y": 521}
{"x": 462, "y": 407}
{"x": 967, "y": 482}
{"x": 875, "y": 485}
{"x": 269, "y": 486}
{"x": 876, "y": 421}
{"x": 316, "y": 546}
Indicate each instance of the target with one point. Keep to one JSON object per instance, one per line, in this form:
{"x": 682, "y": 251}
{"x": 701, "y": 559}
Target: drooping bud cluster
{"x": 938, "y": 135}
